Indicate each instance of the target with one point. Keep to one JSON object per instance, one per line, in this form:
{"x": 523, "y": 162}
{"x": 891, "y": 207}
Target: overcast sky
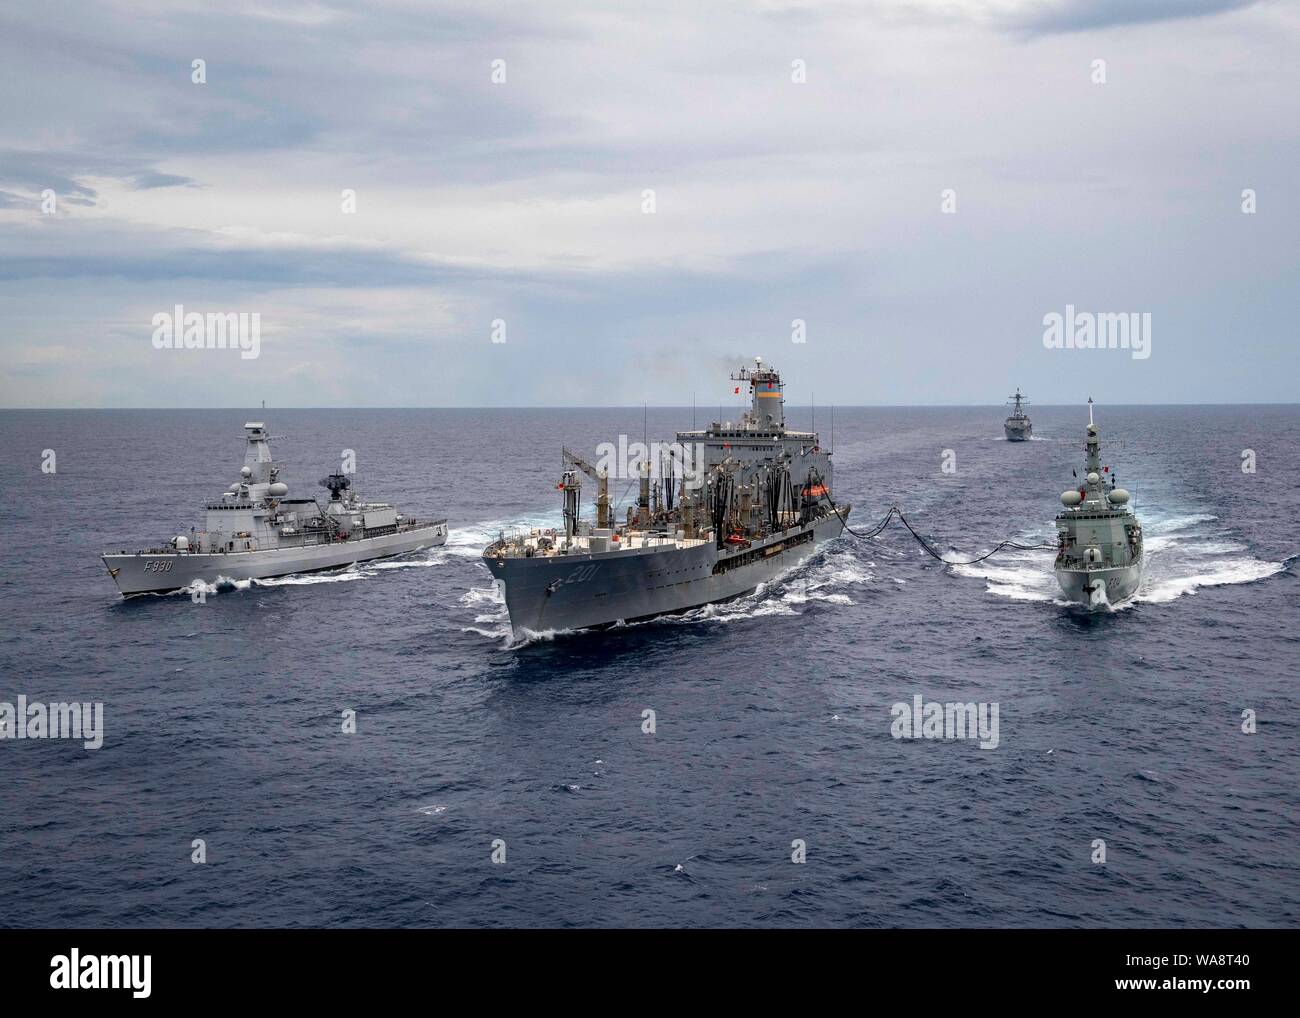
{"x": 522, "y": 201}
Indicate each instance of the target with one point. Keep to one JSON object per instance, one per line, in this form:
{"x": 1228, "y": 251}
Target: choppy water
{"x": 772, "y": 713}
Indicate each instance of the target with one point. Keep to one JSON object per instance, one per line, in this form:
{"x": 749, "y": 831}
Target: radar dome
{"x": 245, "y": 472}
{"x": 1092, "y": 477}
{"x": 181, "y": 543}
{"x": 278, "y": 489}
{"x": 1070, "y": 499}
{"x": 1118, "y": 496}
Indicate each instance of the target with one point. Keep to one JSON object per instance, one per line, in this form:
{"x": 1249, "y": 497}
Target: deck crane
{"x": 602, "y": 485}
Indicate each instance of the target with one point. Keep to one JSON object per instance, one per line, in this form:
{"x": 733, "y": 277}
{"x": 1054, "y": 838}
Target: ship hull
{"x": 588, "y": 591}
{"x": 1098, "y": 588}
{"x": 1018, "y": 432}
{"x": 160, "y": 572}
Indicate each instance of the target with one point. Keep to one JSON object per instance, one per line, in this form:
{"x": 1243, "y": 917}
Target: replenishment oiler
{"x": 255, "y": 531}
{"x": 734, "y": 505}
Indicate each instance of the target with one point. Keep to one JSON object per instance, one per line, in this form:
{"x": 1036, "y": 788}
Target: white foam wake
{"x": 492, "y": 620}
{"x": 225, "y": 585}
{"x": 469, "y": 539}
{"x": 826, "y": 578}
{"x": 356, "y": 571}
{"x": 1018, "y": 575}
{"x": 1183, "y": 554}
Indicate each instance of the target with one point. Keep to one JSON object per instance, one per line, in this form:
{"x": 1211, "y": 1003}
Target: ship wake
{"x": 345, "y": 574}
{"x": 469, "y": 540}
{"x": 492, "y": 620}
{"x": 826, "y": 578}
{"x": 1183, "y": 554}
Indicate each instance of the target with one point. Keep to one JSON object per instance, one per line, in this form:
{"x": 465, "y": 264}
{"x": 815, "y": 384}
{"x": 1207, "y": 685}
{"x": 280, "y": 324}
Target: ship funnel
{"x": 767, "y": 402}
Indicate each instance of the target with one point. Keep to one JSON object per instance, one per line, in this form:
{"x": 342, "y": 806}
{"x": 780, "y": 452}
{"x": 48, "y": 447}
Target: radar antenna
{"x": 337, "y": 484}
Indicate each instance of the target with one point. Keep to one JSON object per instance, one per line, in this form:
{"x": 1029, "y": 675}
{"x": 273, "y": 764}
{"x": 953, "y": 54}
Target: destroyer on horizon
{"x": 1018, "y": 427}
{"x": 763, "y": 507}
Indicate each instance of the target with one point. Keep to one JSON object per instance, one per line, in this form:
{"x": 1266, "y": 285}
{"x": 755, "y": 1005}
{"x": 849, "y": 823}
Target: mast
{"x": 1093, "y": 447}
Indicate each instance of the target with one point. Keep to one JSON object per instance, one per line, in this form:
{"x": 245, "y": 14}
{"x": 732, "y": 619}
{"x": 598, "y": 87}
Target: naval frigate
{"x": 1099, "y": 552}
{"x": 1018, "y": 427}
{"x": 255, "y": 531}
{"x": 751, "y": 500}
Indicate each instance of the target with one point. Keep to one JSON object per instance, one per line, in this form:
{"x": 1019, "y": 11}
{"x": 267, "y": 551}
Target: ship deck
{"x": 549, "y": 544}
{"x": 287, "y": 542}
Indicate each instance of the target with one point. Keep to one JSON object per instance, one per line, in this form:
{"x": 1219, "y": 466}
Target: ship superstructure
{"x": 733, "y": 505}
{"x": 1018, "y": 427}
{"x": 254, "y": 530}
{"x": 1099, "y": 557}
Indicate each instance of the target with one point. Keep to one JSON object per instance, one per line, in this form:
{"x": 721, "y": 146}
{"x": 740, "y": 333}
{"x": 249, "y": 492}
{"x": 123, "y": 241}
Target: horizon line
{"x": 627, "y": 406}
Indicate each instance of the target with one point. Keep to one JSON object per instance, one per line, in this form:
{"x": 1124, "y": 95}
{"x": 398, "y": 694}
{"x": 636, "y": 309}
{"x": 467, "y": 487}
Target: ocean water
{"x": 772, "y": 713}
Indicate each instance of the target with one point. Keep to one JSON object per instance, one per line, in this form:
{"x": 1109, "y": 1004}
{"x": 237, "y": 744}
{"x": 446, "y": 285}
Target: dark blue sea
{"x": 773, "y": 713}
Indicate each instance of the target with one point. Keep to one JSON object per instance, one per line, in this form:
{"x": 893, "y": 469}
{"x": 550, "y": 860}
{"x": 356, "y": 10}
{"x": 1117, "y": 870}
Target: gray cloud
{"x": 1088, "y": 15}
{"x": 37, "y": 171}
{"x": 150, "y": 179}
{"x": 522, "y": 202}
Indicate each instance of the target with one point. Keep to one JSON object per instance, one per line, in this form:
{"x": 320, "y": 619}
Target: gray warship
{"x": 735, "y": 504}
{"x": 1018, "y": 427}
{"x": 1099, "y": 555}
{"x": 255, "y": 531}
